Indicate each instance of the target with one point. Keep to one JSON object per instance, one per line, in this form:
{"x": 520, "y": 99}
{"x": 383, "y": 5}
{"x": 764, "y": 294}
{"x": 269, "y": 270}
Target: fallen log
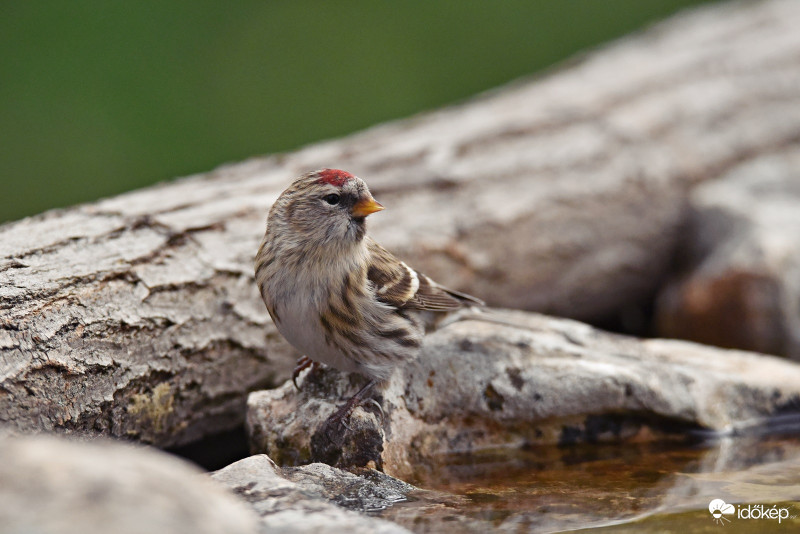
{"x": 137, "y": 316}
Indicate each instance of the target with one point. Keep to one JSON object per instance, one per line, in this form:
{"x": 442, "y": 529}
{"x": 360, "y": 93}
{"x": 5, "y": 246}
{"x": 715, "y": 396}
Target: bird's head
{"x": 327, "y": 206}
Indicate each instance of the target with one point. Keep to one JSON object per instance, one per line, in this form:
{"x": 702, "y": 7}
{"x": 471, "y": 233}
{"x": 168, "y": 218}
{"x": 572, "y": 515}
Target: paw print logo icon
{"x": 719, "y": 509}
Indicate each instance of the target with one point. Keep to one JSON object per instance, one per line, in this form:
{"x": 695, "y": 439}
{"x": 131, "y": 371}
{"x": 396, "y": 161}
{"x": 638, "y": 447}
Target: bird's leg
{"x": 337, "y": 419}
{"x": 354, "y": 401}
{"x": 302, "y": 364}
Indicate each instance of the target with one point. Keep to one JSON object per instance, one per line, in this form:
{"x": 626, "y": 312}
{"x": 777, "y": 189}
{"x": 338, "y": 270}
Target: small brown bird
{"x": 334, "y": 293}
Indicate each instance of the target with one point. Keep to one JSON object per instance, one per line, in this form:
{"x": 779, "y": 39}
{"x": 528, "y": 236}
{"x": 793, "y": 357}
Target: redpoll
{"x": 334, "y": 293}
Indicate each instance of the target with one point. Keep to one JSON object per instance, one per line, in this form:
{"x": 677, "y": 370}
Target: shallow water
{"x": 627, "y": 487}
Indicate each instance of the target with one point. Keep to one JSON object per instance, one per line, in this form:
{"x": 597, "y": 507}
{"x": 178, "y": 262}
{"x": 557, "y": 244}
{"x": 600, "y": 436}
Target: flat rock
{"x": 51, "y": 485}
{"x": 741, "y": 283}
{"x": 523, "y": 379}
{"x": 314, "y": 498}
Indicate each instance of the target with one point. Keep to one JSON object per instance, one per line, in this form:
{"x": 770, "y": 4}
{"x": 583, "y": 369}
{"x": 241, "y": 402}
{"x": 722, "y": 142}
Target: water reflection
{"x": 650, "y": 487}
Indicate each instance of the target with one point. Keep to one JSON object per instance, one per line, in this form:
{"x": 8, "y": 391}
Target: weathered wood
{"x": 741, "y": 254}
{"x": 137, "y": 315}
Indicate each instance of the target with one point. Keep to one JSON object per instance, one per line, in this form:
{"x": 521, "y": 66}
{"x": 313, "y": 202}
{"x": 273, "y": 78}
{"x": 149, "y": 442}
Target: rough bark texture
{"x": 137, "y": 316}
{"x": 531, "y": 381}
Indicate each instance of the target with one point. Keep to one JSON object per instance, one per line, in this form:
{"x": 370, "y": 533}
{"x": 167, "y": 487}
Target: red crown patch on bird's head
{"x": 334, "y": 177}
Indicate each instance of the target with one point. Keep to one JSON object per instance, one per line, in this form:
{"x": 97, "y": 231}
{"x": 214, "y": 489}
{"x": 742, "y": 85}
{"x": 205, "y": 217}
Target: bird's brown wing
{"x": 399, "y": 285}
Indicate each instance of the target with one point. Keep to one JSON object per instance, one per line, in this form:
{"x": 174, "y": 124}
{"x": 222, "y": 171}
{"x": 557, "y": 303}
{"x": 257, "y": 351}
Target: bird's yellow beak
{"x": 364, "y": 207}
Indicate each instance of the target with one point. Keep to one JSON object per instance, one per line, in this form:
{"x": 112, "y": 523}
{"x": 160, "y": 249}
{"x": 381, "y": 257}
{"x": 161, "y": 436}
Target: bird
{"x": 337, "y": 295}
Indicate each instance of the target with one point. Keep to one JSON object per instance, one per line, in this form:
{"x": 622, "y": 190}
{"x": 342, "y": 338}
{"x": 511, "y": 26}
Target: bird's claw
{"x": 342, "y": 416}
{"x": 337, "y": 420}
{"x": 302, "y": 364}
{"x": 380, "y": 409}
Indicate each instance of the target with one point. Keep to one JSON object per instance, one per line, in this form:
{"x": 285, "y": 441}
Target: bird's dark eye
{"x": 331, "y": 199}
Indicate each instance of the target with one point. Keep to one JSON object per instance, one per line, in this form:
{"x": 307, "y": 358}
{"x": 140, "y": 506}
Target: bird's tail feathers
{"x": 467, "y": 299}
{"x": 479, "y": 313}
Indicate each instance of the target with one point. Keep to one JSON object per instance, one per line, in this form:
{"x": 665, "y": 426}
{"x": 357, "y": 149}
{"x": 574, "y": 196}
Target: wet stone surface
{"x": 313, "y": 498}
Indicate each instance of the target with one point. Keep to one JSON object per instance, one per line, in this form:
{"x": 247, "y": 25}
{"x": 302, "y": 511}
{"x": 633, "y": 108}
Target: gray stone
{"x": 51, "y": 485}
{"x": 535, "y": 380}
{"x": 314, "y": 498}
{"x": 741, "y": 284}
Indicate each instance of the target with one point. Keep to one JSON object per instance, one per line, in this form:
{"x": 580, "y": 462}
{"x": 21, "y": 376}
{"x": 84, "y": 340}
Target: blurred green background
{"x": 99, "y": 97}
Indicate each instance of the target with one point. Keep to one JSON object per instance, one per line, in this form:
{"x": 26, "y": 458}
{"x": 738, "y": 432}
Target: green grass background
{"x": 99, "y": 97}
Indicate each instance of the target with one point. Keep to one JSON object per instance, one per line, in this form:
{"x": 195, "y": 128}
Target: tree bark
{"x": 138, "y": 315}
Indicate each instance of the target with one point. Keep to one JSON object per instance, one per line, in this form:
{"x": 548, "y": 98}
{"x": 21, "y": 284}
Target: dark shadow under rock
{"x": 215, "y": 451}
